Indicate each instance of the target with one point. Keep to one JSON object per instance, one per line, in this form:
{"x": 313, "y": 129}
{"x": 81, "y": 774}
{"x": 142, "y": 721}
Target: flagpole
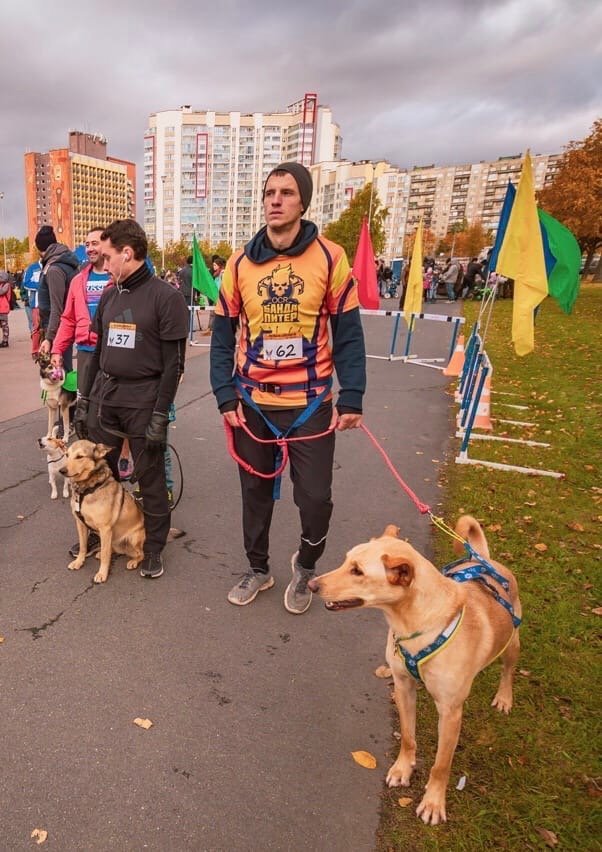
{"x": 192, "y": 296}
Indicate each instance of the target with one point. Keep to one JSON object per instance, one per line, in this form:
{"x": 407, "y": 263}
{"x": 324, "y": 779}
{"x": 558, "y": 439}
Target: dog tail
{"x": 470, "y": 530}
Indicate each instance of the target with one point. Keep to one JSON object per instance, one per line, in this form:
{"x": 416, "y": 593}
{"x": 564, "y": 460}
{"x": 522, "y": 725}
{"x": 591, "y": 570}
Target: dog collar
{"x": 414, "y": 661}
{"x": 60, "y": 458}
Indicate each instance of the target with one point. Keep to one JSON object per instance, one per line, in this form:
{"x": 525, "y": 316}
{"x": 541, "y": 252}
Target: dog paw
{"x": 54, "y": 496}
{"x": 100, "y": 577}
{"x": 75, "y": 565}
{"x": 132, "y": 563}
{"x": 431, "y": 810}
{"x": 399, "y": 775}
{"x": 502, "y": 702}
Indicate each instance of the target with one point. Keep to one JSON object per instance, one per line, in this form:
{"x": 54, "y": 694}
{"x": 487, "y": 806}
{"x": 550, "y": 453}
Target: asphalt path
{"x": 255, "y": 711}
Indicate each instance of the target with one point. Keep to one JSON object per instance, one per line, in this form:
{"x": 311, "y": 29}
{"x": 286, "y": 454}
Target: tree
{"x": 574, "y": 196}
{"x": 471, "y": 240}
{"x": 346, "y": 230}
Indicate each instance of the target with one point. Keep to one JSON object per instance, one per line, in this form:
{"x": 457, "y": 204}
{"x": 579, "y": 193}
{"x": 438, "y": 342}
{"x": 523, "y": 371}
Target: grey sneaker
{"x": 152, "y": 566}
{"x": 297, "y": 596}
{"x": 93, "y": 545}
{"x": 249, "y": 586}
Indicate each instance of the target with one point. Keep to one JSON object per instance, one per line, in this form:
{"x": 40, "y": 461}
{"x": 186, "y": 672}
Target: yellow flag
{"x": 413, "y": 301}
{"x": 521, "y": 257}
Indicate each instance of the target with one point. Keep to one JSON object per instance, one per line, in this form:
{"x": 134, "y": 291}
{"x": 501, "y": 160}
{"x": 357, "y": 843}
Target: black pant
{"x": 149, "y": 467}
{"x": 311, "y": 474}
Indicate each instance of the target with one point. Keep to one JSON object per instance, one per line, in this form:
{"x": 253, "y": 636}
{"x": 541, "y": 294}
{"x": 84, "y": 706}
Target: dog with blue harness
{"x": 444, "y": 628}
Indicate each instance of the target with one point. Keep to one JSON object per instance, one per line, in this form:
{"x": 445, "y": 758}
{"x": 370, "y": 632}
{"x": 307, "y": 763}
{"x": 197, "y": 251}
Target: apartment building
{"x": 204, "y": 171}
{"x": 78, "y": 187}
{"x": 442, "y": 196}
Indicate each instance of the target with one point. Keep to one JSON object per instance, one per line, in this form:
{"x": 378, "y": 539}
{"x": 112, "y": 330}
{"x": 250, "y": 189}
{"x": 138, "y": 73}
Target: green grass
{"x": 537, "y": 768}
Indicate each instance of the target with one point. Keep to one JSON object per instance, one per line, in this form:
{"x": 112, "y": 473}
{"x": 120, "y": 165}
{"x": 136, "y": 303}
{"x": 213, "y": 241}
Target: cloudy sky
{"x": 441, "y": 81}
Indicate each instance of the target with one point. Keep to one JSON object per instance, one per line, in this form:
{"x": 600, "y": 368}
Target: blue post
{"x": 474, "y": 409}
{"x": 409, "y": 337}
{"x": 468, "y": 397}
{"x": 454, "y": 338}
{"x": 469, "y": 363}
{"x": 394, "y": 338}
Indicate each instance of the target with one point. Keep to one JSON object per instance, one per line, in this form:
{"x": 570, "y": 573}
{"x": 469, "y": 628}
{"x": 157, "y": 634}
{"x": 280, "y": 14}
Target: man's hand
{"x": 44, "y": 347}
{"x": 236, "y": 417}
{"x": 56, "y": 361}
{"x": 80, "y": 418}
{"x": 156, "y": 432}
{"x": 341, "y": 422}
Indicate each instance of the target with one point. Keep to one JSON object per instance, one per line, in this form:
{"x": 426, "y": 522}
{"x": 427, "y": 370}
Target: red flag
{"x": 364, "y": 270}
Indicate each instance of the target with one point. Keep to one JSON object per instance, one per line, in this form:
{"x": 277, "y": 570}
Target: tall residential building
{"x": 204, "y": 171}
{"x": 443, "y": 196}
{"x": 77, "y": 188}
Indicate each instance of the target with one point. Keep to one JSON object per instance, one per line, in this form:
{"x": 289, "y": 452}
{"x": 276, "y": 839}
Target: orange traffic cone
{"x": 483, "y": 420}
{"x": 456, "y": 362}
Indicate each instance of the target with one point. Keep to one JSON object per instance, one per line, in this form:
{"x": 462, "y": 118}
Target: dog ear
{"x": 391, "y": 530}
{"x": 101, "y": 450}
{"x": 399, "y": 571}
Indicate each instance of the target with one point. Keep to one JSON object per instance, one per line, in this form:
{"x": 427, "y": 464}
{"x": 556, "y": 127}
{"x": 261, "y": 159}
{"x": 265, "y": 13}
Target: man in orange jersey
{"x": 285, "y": 288}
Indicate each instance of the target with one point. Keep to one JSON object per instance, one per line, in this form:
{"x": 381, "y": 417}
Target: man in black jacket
{"x": 59, "y": 265}
{"x": 142, "y": 325}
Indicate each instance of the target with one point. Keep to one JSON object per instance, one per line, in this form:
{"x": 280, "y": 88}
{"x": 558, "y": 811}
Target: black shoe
{"x": 152, "y": 566}
{"x": 93, "y": 546}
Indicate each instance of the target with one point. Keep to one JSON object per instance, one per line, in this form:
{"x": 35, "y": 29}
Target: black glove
{"x": 80, "y": 418}
{"x": 156, "y": 432}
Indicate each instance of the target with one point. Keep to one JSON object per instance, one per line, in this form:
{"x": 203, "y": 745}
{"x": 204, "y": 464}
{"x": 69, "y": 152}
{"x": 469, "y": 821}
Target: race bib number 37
{"x": 282, "y": 348}
{"x": 122, "y": 335}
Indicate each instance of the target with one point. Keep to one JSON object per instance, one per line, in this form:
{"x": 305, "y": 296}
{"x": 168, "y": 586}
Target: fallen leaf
{"x": 404, "y": 801}
{"x": 364, "y": 758}
{"x": 530, "y": 503}
{"x": 597, "y": 610}
{"x": 541, "y": 547}
{"x": 397, "y": 735}
{"x": 39, "y": 835}
{"x": 419, "y": 453}
{"x": 143, "y": 723}
{"x": 525, "y": 672}
{"x": 521, "y": 759}
{"x": 550, "y": 839}
{"x": 587, "y": 587}
{"x": 461, "y": 783}
{"x": 20, "y": 517}
{"x": 575, "y": 526}
{"x": 383, "y": 671}
{"x": 1, "y": 639}
{"x": 494, "y": 527}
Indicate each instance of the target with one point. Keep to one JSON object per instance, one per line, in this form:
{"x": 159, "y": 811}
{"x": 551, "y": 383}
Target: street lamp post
{"x": 163, "y": 178}
{"x": 2, "y": 225}
{"x": 371, "y": 195}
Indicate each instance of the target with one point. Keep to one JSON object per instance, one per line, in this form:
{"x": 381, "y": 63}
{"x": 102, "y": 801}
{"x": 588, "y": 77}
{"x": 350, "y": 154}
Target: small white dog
{"x": 55, "y": 453}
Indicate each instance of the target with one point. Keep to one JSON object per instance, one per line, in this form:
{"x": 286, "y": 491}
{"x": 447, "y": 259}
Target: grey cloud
{"x": 449, "y": 81}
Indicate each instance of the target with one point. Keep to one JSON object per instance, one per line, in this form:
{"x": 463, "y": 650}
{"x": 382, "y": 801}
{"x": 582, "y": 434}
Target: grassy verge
{"x": 534, "y": 771}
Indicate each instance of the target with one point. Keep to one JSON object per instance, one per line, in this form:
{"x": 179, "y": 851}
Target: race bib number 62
{"x": 282, "y": 348}
{"x": 122, "y": 335}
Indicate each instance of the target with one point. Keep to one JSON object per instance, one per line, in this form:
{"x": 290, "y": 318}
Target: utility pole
{"x": 163, "y": 179}
{"x": 2, "y": 225}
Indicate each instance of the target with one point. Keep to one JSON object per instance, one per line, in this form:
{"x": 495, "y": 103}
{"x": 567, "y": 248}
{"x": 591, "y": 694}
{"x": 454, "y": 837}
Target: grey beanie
{"x": 302, "y": 179}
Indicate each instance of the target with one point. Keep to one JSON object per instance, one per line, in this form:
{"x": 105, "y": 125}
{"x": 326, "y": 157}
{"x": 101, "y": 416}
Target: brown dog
{"x": 421, "y": 605}
{"x": 99, "y": 502}
{"x": 57, "y": 400}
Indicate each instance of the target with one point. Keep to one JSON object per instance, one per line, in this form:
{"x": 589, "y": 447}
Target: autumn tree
{"x": 346, "y": 230}
{"x": 574, "y": 196}
{"x": 472, "y": 240}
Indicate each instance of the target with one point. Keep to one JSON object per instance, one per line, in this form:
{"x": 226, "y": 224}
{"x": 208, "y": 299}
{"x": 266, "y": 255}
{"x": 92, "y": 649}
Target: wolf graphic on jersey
{"x": 280, "y": 287}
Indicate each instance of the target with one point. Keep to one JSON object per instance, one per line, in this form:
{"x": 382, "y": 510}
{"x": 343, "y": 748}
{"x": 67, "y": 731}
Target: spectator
{"x": 5, "y": 294}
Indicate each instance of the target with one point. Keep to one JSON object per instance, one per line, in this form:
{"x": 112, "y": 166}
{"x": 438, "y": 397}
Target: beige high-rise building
{"x": 443, "y": 196}
{"x": 204, "y": 171}
{"x": 77, "y": 188}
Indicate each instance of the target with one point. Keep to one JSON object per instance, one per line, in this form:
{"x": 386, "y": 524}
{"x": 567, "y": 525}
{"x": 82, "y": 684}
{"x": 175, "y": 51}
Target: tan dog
{"x": 99, "y": 502}
{"x": 56, "y": 449}
{"x": 57, "y": 400}
{"x": 420, "y": 604}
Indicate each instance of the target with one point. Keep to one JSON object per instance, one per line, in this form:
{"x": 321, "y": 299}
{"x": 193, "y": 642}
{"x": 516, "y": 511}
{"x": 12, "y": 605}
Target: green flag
{"x": 563, "y": 281}
{"x": 201, "y": 277}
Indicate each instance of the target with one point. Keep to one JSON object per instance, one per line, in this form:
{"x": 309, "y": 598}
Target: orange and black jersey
{"x": 283, "y": 303}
